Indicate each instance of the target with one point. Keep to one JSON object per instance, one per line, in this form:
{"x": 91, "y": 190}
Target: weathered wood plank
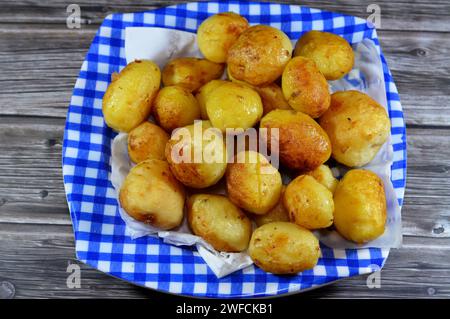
{"x": 36, "y": 264}
{"x": 39, "y": 71}
{"x": 418, "y": 15}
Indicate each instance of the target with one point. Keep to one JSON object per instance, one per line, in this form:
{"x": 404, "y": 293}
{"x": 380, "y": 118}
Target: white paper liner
{"x": 162, "y": 45}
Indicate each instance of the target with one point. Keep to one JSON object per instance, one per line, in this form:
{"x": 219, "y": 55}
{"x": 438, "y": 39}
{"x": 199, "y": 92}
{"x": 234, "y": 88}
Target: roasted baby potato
{"x": 305, "y": 88}
{"x": 144, "y": 187}
{"x": 324, "y": 176}
{"x": 147, "y": 141}
{"x": 309, "y": 203}
{"x": 197, "y": 161}
{"x": 203, "y": 94}
{"x": 284, "y": 248}
{"x": 357, "y": 126}
{"x": 259, "y": 55}
{"x": 174, "y": 107}
{"x": 219, "y": 222}
{"x": 276, "y": 214}
{"x": 191, "y": 73}
{"x": 303, "y": 144}
{"x": 272, "y": 98}
{"x": 233, "y": 105}
{"x": 333, "y": 54}
{"x": 218, "y": 33}
{"x": 360, "y": 206}
{"x": 253, "y": 183}
{"x": 129, "y": 97}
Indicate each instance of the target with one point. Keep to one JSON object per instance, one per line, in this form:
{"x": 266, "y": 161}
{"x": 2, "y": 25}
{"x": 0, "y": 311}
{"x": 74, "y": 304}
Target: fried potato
{"x": 197, "y": 161}
{"x": 219, "y": 222}
{"x": 305, "y": 88}
{"x": 174, "y": 107}
{"x": 147, "y": 141}
{"x": 191, "y": 73}
{"x": 129, "y": 97}
{"x": 272, "y": 98}
{"x": 360, "y": 206}
{"x": 253, "y": 183}
{"x": 357, "y": 126}
{"x": 309, "y": 203}
{"x": 218, "y": 33}
{"x": 277, "y": 214}
{"x": 233, "y": 105}
{"x": 259, "y": 55}
{"x": 303, "y": 144}
{"x": 144, "y": 187}
{"x": 324, "y": 176}
{"x": 284, "y": 248}
{"x": 333, "y": 54}
{"x": 203, "y": 94}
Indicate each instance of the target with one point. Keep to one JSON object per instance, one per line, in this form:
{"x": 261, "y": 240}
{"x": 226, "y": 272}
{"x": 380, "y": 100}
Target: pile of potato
{"x": 270, "y": 85}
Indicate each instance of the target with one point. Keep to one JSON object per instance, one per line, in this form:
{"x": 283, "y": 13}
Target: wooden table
{"x": 39, "y": 62}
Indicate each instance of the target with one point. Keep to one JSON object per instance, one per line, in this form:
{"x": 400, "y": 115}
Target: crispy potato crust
{"x": 284, "y": 248}
{"x": 147, "y": 141}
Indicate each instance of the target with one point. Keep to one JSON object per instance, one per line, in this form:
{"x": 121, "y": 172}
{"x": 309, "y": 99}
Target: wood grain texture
{"x": 39, "y": 62}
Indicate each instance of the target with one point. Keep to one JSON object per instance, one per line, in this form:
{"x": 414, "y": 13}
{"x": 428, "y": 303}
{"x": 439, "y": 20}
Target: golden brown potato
{"x": 191, "y": 73}
{"x": 144, "y": 187}
{"x": 218, "y": 33}
{"x": 147, "y": 141}
{"x": 357, "y": 126}
{"x": 284, "y": 248}
{"x": 219, "y": 222}
{"x": 276, "y": 214}
{"x": 305, "y": 88}
{"x": 197, "y": 161}
{"x": 233, "y": 105}
{"x": 324, "y": 176}
{"x": 129, "y": 97}
{"x": 259, "y": 55}
{"x": 360, "y": 206}
{"x": 203, "y": 94}
{"x": 174, "y": 107}
{"x": 309, "y": 203}
{"x": 333, "y": 54}
{"x": 253, "y": 183}
{"x": 272, "y": 98}
{"x": 302, "y": 143}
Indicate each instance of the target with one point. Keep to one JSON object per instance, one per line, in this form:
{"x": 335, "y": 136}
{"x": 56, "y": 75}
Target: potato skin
{"x": 253, "y": 183}
{"x": 277, "y": 214}
{"x": 174, "y": 107}
{"x": 218, "y": 33}
{"x": 272, "y": 98}
{"x": 303, "y": 144}
{"x": 218, "y": 221}
{"x": 309, "y": 203}
{"x": 357, "y": 126}
{"x": 129, "y": 97}
{"x": 305, "y": 88}
{"x": 259, "y": 55}
{"x": 203, "y": 93}
{"x": 147, "y": 141}
{"x": 141, "y": 193}
{"x": 333, "y": 54}
{"x": 233, "y": 105}
{"x": 360, "y": 206}
{"x": 284, "y": 248}
{"x": 191, "y": 73}
{"x": 324, "y": 176}
{"x": 203, "y": 173}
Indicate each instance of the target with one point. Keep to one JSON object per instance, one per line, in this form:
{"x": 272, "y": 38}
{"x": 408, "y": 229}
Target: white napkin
{"x": 162, "y": 45}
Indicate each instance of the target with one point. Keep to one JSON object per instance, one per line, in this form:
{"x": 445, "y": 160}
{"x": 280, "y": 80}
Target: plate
{"x": 101, "y": 238}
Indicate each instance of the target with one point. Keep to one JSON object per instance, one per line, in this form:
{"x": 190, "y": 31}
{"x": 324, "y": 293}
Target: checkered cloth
{"x": 100, "y": 234}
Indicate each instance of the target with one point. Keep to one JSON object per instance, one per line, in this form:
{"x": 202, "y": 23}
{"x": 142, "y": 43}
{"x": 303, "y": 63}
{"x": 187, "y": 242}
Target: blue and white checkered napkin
{"x": 100, "y": 234}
